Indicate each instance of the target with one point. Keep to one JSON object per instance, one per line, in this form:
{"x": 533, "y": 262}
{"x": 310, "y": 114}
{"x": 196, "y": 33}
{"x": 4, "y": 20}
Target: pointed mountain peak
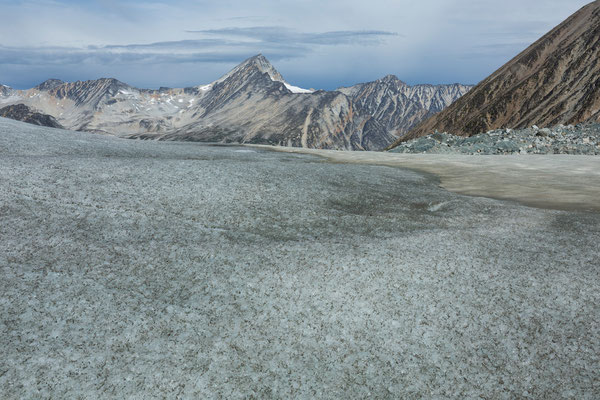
{"x": 392, "y": 79}
{"x": 257, "y": 63}
{"x": 257, "y": 58}
{"x": 256, "y": 66}
{"x": 49, "y": 84}
{"x": 263, "y": 65}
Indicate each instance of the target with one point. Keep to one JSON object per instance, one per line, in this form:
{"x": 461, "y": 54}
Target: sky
{"x": 320, "y": 44}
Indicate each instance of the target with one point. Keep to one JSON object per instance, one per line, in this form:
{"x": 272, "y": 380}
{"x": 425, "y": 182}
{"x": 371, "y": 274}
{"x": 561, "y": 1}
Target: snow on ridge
{"x": 296, "y": 89}
{"x": 291, "y": 88}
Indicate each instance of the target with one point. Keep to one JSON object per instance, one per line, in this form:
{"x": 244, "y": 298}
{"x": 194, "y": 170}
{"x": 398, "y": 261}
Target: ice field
{"x": 134, "y": 269}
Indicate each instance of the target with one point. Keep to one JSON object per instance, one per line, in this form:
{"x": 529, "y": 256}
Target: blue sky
{"x": 313, "y": 43}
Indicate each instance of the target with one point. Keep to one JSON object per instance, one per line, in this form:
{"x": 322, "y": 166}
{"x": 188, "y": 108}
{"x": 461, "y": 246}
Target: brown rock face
{"x": 554, "y": 81}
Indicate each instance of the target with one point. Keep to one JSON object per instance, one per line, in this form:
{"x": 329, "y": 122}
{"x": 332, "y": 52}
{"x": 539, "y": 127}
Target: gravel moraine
{"x": 580, "y": 139}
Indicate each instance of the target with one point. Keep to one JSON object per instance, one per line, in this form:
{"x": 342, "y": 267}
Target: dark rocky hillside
{"x": 21, "y": 112}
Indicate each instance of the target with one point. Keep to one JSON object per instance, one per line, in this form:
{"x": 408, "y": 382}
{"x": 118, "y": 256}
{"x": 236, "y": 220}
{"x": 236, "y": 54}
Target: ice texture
{"x": 135, "y": 269}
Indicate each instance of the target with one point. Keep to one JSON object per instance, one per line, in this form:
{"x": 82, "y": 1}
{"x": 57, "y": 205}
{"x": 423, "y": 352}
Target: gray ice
{"x": 135, "y": 269}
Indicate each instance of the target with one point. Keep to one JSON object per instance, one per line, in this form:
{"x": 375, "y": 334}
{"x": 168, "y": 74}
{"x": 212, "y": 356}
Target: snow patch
{"x": 296, "y": 89}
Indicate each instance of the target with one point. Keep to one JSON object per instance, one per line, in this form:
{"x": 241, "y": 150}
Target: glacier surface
{"x": 137, "y": 269}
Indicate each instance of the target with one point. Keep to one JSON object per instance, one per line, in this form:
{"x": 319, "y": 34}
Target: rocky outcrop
{"x": 21, "y": 112}
{"x": 554, "y": 81}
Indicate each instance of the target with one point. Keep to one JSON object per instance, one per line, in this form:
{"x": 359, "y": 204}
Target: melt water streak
{"x": 556, "y": 181}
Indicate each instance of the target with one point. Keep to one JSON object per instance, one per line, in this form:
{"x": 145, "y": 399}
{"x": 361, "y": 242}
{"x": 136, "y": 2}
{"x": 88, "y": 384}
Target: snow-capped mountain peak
{"x": 262, "y": 65}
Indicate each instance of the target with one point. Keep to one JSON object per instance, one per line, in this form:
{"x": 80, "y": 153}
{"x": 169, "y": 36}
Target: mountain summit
{"x": 257, "y": 63}
{"x": 554, "y": 81}
{"x": 49, "y": 84}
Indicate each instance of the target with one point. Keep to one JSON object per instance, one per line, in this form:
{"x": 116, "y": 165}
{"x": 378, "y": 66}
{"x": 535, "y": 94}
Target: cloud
{"x": 123, "y": 55}
{"x": 275, "y": 34}
{"x": 227, "y": 45}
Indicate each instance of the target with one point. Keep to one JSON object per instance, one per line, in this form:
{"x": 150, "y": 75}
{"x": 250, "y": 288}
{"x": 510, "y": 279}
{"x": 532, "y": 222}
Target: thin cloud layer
{"x": 275, "y": 34}
{"x": 230, "y": 45}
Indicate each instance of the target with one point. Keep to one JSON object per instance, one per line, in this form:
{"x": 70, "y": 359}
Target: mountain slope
{"x": 398, "y": 106}
{"x": 5, "y": 91}
{"x": 554, "y": 81}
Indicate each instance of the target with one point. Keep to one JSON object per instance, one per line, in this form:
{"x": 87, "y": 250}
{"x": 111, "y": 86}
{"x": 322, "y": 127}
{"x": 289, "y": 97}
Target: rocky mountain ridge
{"x": 554, "y": 81}
{"x": 398, "y": 106}
{"x": 250, "y": 104}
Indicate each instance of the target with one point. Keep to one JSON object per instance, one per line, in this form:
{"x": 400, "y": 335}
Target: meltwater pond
{"x": 140, "y": 269}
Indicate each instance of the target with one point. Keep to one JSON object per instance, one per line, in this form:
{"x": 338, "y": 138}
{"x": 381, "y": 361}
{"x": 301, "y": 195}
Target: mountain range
{"x": 554, "y": 81}
{"x": 250, "y": 104}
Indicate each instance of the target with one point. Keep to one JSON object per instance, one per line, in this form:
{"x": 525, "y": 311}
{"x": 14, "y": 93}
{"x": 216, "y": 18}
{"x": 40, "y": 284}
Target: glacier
{"x": 143, "y": 269}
